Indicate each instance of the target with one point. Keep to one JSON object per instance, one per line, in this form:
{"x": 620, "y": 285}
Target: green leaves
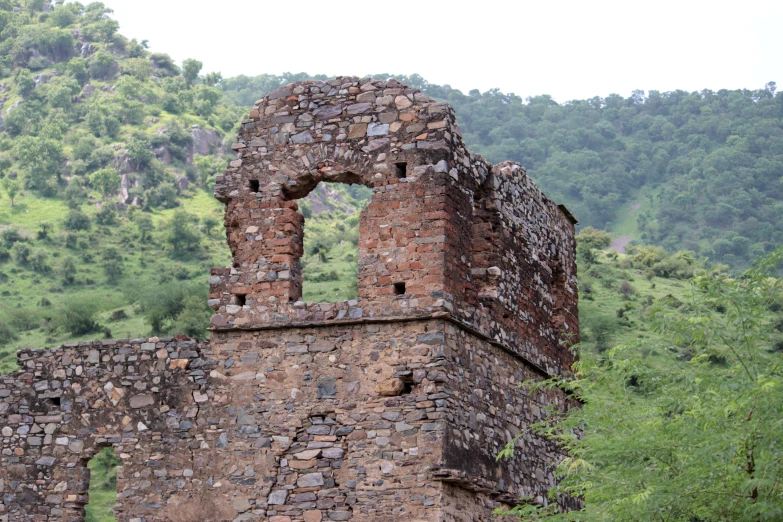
{"x": 692, "y": 434}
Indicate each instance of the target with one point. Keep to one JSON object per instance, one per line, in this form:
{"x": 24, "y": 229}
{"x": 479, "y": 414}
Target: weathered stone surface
{"x": 310, "y": 480}
{"x": 392, "y": 405}
{"x": 141, "y": 401}
{"x": 277, "y": 498}
{"x": 390, "y": 387}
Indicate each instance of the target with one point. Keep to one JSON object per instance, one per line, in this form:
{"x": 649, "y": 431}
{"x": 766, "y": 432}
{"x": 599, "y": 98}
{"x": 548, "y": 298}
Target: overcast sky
{"x": 571, "y": 50}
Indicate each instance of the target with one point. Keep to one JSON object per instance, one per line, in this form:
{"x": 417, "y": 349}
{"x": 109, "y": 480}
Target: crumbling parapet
{"x": 462, "y": 237}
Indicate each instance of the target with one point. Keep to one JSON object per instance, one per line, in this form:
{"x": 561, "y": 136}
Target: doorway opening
{"x": 103, "y": 487}
{"x": 331, "y": 241}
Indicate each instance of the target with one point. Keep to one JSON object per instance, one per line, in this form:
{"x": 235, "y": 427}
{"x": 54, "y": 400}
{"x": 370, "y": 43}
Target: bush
{"x": 183, "y": 239}
{"x": 22, "y": 319}
{"x": 68, "y": 270}
{"x": 20, "y": 253}
{"x": 601, "y": 329}
{"x": 627, "y": 290}
{"x": 78, "y": 317}
{"x": 77, "y": 220}
{"x": 7, "y": 333}
{"x": 111, "y": 261}
{"x": 39, "y": 261}
{"x": 175, "y": 308}
{"x": 10, "y": 236}
{"x": 592, "y": 238}
{"x": 106, "y": 215}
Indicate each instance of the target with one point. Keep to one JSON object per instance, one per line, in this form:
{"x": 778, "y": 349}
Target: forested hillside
{"x": 107, "y": 156}
{"x": 699, "y": 171}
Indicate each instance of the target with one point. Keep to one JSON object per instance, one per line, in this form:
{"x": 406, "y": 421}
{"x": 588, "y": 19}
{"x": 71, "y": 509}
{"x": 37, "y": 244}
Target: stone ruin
{"x": 389, "y": 407}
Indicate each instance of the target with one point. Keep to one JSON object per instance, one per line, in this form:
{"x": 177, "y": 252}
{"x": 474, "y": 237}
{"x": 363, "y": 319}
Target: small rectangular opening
{"x": 253, "y": 185}
{"x": 241, "y": 299}
{"x": 399, "y": 288}
{"x": 401, "y": 169}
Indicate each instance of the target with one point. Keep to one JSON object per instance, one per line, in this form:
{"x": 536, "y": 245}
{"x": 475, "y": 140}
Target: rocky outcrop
{"x": 205, "y": 141}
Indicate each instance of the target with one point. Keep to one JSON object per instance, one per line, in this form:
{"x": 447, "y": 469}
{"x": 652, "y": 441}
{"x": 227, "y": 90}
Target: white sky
{"x": 569, "y": 49}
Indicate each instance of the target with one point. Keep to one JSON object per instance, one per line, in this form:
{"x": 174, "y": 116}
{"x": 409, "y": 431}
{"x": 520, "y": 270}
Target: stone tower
{"x": 389, "y": 407}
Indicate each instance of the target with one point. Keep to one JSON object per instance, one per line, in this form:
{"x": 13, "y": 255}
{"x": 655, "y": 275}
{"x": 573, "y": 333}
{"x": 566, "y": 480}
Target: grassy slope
{"x": 145, "y": 264}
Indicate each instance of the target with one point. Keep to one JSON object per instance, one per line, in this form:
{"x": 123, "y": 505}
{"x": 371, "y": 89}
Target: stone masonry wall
{"x": 438, "y": 215}
{"x": 389, "y": 407}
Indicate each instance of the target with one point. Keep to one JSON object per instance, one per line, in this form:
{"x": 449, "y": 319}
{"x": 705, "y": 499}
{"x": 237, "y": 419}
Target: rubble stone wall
{"x": 391, "y": 406}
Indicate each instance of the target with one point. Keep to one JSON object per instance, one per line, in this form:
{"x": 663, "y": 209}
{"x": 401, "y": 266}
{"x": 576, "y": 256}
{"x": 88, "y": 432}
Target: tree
{"x": 106, "y": 181}
{"x": 11, "y": 187}
{"x": 77, "y": 316}
{"x": 41, "y": 157}
{"x": 181, "y": 236}
{"x": 592, "y": 238}
{"x": 102, "y": 65}
{"x": 76, "y": 220}
{"x": 213, "y": 79}
{"x": 691, "y": 434}
{"x": 209, "y": 223}
{"x": 68, "y": 270}
{"x": 144, "y": 225}
{"x": 191, "y": 320}
{"x": 190, "y": 70}
{"x": 111, "y": 261}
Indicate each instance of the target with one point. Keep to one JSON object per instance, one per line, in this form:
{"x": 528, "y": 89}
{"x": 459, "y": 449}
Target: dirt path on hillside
{"x": 619, "y": 244}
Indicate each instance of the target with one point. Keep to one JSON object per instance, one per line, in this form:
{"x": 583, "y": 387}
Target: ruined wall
{"x": 388, "y": 407}
{"x": 422, "y": 226}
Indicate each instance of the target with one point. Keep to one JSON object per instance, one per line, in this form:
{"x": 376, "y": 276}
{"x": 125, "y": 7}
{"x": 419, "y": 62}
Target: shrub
{"x": 77, "y": 220}
{"x": 20, "y": 253}
{"x": 592, "y": 238}
{"x": 111, "y": 261}
{"x": 7, "y": 333}
{"x": 78, "y": 316}
{"x": 10, "y": 236}
{"x": 627, "y": 290}
{"x": 106, "y": 215}
{"x": 39, "y": 261}
{"x": 68, "y": 270}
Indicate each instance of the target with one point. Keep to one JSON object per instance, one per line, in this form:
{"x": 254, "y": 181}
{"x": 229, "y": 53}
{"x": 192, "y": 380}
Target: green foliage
{"x": 103, "y": 486}
{"x": 11, "y": 189}
{"x": 692, "y": 433}
{"x": 182, "y": 236}
{"x": 77, "y": 316}
{"x": 106, "y": 181}
{"x": 208, "y": 168}
{"x": 101, "y": 66}
{"x": 591, "y": 238}
{"x": 112, "y": 264}
{"x": 67, "y": 270}
{"x": 41, "y": 157}
{"x": 77, "y": 220}
{"x": 190, "y": 70}
{"x": 175, "y": 305}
